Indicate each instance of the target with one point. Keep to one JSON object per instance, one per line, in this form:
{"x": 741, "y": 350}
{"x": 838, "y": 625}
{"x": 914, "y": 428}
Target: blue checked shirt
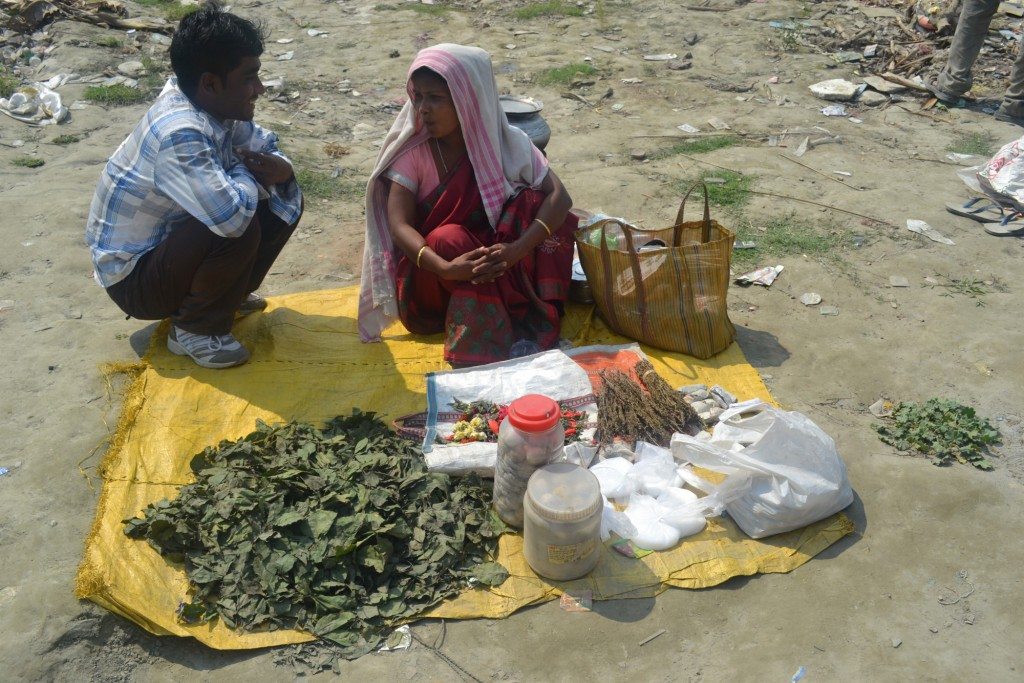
{"x": 178, "y": 163}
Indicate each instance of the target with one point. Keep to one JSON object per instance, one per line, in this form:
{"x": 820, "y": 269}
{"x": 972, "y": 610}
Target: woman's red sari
{"x": 481, "y": 322}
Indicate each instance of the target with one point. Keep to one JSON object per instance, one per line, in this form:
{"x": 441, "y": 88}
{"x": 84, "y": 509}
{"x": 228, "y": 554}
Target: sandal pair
{"x": 998, "y": 220}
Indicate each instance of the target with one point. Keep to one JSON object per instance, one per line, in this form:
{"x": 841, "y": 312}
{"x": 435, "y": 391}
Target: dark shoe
{"x": 1011, "y": 226}
{"x": 523, "y": 347}
{"x": 1006, "y": 118}
{"x": 252, "y": 304}
{"x": 947, "y": 99}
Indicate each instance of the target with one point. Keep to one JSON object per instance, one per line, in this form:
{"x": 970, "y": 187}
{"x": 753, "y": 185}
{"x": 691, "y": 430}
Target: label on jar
{"x": 567, "y": 554}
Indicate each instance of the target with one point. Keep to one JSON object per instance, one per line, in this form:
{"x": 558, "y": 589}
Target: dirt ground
{"x": 867, "y": 609}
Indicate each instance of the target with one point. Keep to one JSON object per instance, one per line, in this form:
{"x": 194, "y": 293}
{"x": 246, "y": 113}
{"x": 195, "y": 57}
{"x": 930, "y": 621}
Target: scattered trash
{"x": 802, "y": 148}
{"x": 581, "y": 601}
{"x": 713, "y": 180}
{"x": 626, "y": 548}
{"x": 6, "y": 305}
{"x": 654, "y": 635}
{"x": 896, "y": 642}
{"x": 810, "y": 299}
{"x": 966, "y": 159}
{"x": 632, "y": 81}
{"x": 834, "y": 110}
{"x": 836, "y": 89}
{"x": 36, "y": 105}
{"x": 744, "y": 244}
{"x": 314, "y": 32}
{"x": 762, "y": 276}
{"x": 799, "y": 675}
{"x": 922, "y": 228}
{"x": 898, "y": 281}
{"x": 845, "y": 174}
{"x": 854, "y": 119}
{"x": 664, "y": 57}
{"x": 883, "y": 407}
{"x": 285, "y": 56}
{"x": 687, "y": 128}
{"x": 933, "y": 629}
{"x": 828, "y": 310}
{"x": 718, "y": 124}
{"x": 400, "y": 639}
{"x": 285, "y": 41}
{"x": 4, "y": 471}
{"x": 845, "y": 57}
{"x": 783, "y": 25}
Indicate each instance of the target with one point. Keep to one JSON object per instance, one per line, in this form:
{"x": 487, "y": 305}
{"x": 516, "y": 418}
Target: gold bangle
{"x": 544, "y": 225}
{"x": 419, "y": 255}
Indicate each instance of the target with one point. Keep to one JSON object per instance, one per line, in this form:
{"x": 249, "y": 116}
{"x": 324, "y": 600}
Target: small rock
{"x": 53, "y": 522}
{"x": 722, "y": 397}
{"x": 394, "y": 53}
{"x": 870, "y": 51}
{"x": 883, "y": 86}
{"x": 834, "y": 90}
{"x": 679, "y": 64}
{"x": 828, "y": 310}
{"x": 718, "y": 124}
{"x": 933, "y": 629}
{"x": 73, "y": 314}
{"x": 844, "y": 57}
{"x": 691, "y": 38}
{"x": 618, "y": 106}
{"x": 638, "y": 155}
{"x": 898, "y": 281}
{"x": 870, "y": 98}
{"x": 132, "y": 69}
{"x": 896, "y": 642}
{"x": 314, "y": 32}
{"x": 692, "y": 388}
{"x": 810, "y": 299}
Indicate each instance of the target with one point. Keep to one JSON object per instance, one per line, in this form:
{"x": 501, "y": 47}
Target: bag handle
{"x": 705, "y": 230}
{"x": 634, "y": 263}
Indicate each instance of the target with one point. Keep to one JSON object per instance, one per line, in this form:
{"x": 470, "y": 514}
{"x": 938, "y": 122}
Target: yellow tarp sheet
{"x": 308, "y": 364}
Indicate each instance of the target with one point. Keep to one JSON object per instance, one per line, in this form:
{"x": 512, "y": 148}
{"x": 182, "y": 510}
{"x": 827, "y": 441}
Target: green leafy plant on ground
{"x": 784, "y": 236}
{"x": 941, "y": 428}
{"x": 320, "y": 185}
{"x": 697, "y": 146}
{"x": 734, "y": 192}
{"x": 564, "y": 75}
{"x": 8, "y": 83}
{"x": 109, "y": 41}
{"x": 970, "y": 287}
{"x": 27, "y": 162}
{"x": 341, "y": 532}
{"x": 65, "y": 139}
{"x": 119, "y": 94}
{"x": 982, "y": 144}
{"x": 551, "y": 8}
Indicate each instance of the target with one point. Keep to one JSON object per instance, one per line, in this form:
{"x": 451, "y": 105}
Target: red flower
{"x": 494, "y": 426}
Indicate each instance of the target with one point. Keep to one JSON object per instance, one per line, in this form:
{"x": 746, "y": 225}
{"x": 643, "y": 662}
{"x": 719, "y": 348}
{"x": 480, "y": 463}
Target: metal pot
{"x": 524, "y": 114}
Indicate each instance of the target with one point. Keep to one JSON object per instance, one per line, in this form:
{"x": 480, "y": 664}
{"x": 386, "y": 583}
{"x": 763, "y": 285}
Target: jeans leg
{"x": 1013, "y": 100}
{"x": 971, "y": 31}
{"x": 275, "y": 233}
{"x": 194, "y": 277}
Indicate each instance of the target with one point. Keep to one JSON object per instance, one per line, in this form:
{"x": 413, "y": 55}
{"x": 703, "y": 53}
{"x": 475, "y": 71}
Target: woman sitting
{"x": 468, "y": 232}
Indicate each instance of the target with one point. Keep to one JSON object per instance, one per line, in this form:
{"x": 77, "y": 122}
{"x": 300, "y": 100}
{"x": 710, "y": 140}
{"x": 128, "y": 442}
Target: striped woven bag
{"x": 665, "y": 287}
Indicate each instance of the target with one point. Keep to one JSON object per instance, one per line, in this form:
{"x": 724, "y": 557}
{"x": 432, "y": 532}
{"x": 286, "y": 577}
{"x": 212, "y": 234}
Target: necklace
{"x": 440, "y": 154}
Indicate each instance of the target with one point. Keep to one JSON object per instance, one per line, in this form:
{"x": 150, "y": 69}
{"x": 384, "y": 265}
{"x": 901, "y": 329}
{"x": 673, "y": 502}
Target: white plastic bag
{"x": 654, "y": 471}
{"x": 794, "y": 472}
{"x": 660, "y": 522}
{"x": 612, "y": 476}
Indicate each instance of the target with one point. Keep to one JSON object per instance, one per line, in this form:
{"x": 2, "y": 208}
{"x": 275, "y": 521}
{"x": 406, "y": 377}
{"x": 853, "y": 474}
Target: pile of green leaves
{"x": 341, "y": 532}
{"x": 941, "y": 428}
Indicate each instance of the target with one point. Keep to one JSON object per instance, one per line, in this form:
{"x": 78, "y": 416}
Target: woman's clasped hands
{"x": 484, "y": 264}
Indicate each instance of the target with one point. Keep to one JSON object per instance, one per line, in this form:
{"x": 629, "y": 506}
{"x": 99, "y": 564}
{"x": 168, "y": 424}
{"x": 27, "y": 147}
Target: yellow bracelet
{"x": 419, "y": 255}
{"x": 544, "y": 225}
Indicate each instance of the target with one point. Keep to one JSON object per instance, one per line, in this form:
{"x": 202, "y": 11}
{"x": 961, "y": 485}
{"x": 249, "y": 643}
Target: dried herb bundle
{"x": 650, "y": 412}
{"x": 341, "y": 532}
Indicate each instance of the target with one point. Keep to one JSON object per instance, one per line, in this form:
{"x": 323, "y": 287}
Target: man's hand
{"x": 268, "y": 169}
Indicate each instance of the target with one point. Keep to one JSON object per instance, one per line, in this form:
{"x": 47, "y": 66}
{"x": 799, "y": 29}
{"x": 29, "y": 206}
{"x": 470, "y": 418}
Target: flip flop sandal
{"x": 1011, "y": 226}
{"x": 981, "y": 209}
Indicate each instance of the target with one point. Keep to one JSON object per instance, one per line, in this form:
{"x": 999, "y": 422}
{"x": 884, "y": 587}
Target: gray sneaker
{"x": 252, "y": 304}
{"x": 209, "y": 351}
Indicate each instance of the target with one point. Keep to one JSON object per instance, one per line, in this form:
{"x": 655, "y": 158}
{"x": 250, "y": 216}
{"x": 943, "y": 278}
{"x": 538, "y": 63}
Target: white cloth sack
{"x": 796, "y": 476}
